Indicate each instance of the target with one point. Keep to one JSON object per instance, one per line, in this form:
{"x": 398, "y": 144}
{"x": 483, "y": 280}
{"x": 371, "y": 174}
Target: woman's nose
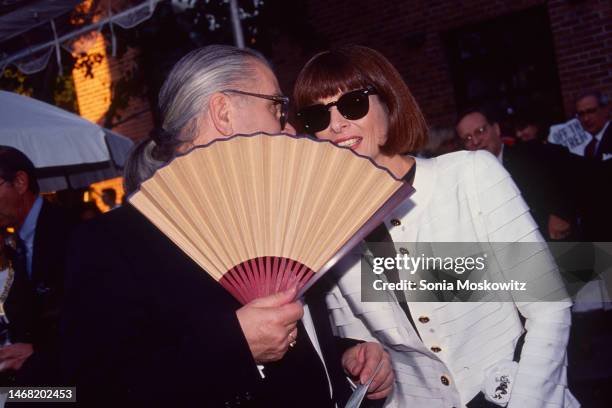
{"x": 337, "y": 122}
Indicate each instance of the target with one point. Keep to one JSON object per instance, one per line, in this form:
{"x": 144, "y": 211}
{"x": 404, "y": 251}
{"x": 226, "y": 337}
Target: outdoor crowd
{"x": 113, "y": 307}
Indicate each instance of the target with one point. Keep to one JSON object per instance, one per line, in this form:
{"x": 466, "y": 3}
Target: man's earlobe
{"x": 496, "y": 129}
{"x": 220, "y": 114}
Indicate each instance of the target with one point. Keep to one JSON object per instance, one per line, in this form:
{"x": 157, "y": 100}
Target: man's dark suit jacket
{"x": 596, "y": 196}
{"x": 33, "y": 305}
{"x": 145, "y": 326}
{"x": 544, "y": 175}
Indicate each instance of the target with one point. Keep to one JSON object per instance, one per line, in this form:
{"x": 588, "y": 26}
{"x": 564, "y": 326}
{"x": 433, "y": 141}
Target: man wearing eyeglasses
{"x": 145, "y": 326}
{"x": 530, "y": 168}
{"x": 591, "y": 375}
{"x": 594, "y": 115}
{"x": 593, "y": 112}
{"x": 478, "y": 132}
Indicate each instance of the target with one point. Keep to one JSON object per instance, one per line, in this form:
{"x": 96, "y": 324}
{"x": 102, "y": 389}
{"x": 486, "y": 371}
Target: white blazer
{"x": 463, "y": 197}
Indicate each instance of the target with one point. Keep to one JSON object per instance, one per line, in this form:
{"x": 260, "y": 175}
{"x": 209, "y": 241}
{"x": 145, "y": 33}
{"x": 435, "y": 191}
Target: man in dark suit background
{"x": 593, "y": 112}
{"x": 41, "y": 235}
{"x": 539, "y": 171}
{"x": 590, "y": 364}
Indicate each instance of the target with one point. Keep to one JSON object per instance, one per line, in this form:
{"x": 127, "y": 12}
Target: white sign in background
{"x": 571, "y": 135}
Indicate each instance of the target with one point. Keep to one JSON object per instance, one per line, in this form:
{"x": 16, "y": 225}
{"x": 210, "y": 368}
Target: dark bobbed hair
{"x": 12, "y": 161}
{"x": 354, "y": 67}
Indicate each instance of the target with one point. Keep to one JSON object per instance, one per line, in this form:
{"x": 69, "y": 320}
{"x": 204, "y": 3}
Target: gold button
{"x": 395, "y": 222}
{"x": 444, "y": 380}
{"x": 424, "y": 319}
{"x": 404, "y": 251}
{"x": 436, "y": 349}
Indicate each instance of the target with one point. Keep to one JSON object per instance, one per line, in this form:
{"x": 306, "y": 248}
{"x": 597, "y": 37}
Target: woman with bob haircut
{"x": 444, "y": 354}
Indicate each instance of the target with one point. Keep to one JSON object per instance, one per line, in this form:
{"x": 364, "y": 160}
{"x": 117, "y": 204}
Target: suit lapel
{"x": 605, "y": 146}
{"x": 43, "y": 243}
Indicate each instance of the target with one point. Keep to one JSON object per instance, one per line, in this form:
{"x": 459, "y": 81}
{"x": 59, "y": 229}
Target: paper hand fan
{"x": 262, "y": 213}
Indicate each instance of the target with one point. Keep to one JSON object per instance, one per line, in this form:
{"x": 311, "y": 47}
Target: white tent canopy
{"x": 32, "y": 15}
{"x": 46, "y": 15}
{"x": 68, "y": 150}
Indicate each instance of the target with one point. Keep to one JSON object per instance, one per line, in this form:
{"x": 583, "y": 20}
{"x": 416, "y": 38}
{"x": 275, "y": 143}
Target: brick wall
{"x": 582, "y": 31}
{"x": 409, "y": 34}
{"x": 136, "y": 121}
{"x": 94, "y": 93}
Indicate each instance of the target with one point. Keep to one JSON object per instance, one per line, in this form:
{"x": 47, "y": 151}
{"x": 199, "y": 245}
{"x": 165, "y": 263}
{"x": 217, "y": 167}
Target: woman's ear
{"x": 220, "y": 114}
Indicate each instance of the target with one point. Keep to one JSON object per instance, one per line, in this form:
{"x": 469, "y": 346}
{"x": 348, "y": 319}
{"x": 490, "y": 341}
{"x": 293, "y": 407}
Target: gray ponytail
{"x": 183, "y": 99}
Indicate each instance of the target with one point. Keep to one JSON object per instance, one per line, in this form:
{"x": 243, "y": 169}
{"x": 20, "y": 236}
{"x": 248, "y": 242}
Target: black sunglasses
{"x": 283, "y": 101}
{"x": 352, "y": 105}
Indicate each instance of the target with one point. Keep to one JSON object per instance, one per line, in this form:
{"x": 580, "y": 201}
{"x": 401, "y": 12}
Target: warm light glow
{"x": 94, "y": 98}
{"x": 95, "y": 192}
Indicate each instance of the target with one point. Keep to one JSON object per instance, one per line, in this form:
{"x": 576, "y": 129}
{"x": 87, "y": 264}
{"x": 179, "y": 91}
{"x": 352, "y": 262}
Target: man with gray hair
{"x": 591, "y": 374}
{"x": 145, "y": 326}
{"x": 594, "y": 115}
{"x": 593, "y": 112}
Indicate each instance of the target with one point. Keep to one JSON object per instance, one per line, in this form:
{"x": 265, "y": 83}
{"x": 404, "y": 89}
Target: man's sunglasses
{"x": 352, "y": 105}
{"x": 283, "y": 101}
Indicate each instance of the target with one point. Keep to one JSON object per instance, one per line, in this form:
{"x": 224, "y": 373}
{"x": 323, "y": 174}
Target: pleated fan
{"x": 261, "y": 213}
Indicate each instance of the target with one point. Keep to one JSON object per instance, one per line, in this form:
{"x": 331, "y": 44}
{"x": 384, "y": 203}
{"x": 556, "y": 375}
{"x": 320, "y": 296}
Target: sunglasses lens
{"x": 354, "y": 105}
{"x": 314, "y": 118}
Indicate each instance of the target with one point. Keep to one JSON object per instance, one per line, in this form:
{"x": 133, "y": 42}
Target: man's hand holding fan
{"x": 270, "y": 324}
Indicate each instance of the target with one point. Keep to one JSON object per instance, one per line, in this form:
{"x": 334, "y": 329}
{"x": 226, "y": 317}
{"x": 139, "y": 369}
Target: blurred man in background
{"x": 40, "y": 237}
{"x": 532, "y": 172}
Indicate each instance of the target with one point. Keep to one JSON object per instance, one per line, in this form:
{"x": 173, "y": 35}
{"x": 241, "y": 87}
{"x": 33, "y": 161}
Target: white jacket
{"x": 463, "y": 197}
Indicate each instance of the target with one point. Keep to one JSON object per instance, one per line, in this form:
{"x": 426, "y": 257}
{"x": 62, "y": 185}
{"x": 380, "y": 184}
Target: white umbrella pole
{"x": 237, "y": 28}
